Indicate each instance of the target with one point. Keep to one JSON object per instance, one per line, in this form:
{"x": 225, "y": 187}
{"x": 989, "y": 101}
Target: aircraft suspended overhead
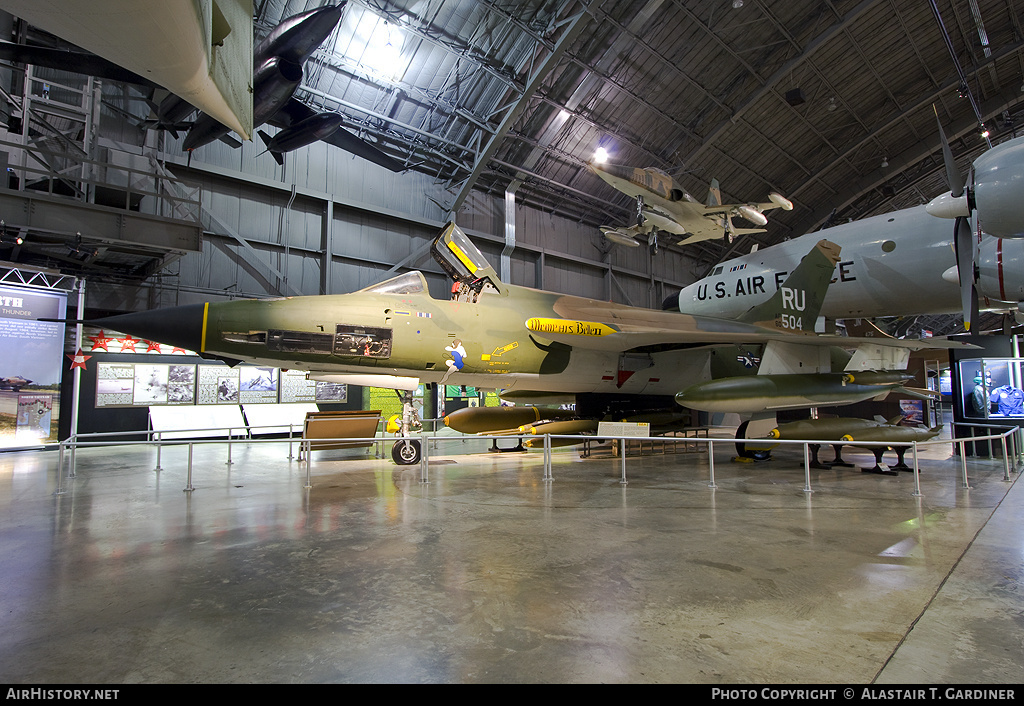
{"x": 896, "y": 264}
{"x": 663, "y": 205}
{"x": 199, "y": 50}
{"x": 614, "y": 361}
{"x": 992, "y": 194}
{"x": 277, "y": 73}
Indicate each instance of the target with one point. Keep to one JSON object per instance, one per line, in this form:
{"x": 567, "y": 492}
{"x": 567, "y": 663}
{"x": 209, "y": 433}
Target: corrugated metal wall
{"x": 269, "y": 226}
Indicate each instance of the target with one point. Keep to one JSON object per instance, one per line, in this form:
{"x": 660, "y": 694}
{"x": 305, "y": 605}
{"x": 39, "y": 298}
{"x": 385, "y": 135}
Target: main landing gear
{"x": 407, "y": 451}
{"x": 749, "y": 455}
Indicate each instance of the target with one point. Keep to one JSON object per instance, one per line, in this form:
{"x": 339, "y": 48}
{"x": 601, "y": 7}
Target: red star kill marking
{"x": 152, "y": 346}
{"x": 128, "y": 343}
{"x": 100, "y": 341}
{"x": 179, "y": 350}
{"x": 78, "y": 360}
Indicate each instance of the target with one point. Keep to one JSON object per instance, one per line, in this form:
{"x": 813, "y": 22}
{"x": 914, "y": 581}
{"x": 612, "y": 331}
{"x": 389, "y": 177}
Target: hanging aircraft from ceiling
{"x": 277, "y": 73}
{"x": 663, "y": 205}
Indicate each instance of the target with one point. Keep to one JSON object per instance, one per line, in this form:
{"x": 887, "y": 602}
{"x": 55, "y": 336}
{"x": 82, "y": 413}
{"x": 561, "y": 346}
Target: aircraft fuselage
{"x": 896, "y": 264}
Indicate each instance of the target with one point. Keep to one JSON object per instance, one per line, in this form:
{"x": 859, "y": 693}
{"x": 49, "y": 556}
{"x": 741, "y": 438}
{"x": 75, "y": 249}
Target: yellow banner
{"x": 567, "y": 326}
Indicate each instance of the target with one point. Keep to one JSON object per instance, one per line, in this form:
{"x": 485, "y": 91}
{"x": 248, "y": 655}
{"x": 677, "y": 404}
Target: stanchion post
{"x": 807, "y": 468}
{"x": 291, "y": 438}
{"x": 424, "y": 459}
{"x": 159, "y": 448}
{"x": 1006, "y": 460}
{"x": 547, "y": 457}
{"x": 622, "y": 452}
{"x": 963, "y": 463}
{"x": 71, "y": 456}
{"x": 188, "y": 483}
{"x": 917, "y": 475}
{"x": 711, "y": 463}
{"x": 309, "y": 462}
{"x": 231, "y": 433}
{"x": 60, "y": 469}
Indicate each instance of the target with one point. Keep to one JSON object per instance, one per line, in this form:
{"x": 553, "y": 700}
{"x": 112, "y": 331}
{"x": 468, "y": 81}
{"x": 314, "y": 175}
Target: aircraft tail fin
{"x": 714, "y": 194}
{"x": 795, "y": 306}
{"x": 278, "y": 157}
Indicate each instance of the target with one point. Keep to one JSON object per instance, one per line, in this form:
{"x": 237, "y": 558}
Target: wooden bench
{"x": 327, "y": 430}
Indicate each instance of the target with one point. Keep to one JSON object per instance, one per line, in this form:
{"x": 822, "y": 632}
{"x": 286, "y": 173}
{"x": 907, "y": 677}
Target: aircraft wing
{"x": 716, "y": 232}
{"x": 614, "y": 328}
{"x": 205, "y": 60}
{"x": 295, "y": 111}
{"x": 66, "y": 60}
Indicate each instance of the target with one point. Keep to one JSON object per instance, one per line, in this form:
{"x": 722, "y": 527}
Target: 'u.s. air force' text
{"x": 755, "y": 284}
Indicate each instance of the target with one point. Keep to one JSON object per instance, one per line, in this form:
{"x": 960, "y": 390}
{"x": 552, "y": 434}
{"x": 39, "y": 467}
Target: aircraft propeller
{"x": 991, "y": 195}
{"x": 958, "y": 204}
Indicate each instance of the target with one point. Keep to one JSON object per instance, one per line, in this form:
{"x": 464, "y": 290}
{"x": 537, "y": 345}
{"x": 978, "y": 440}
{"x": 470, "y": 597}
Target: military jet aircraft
{"x": 662, "y": 204}
{"x": 277, "y": 73}
{"x": 896, "y": 264}
{"x": 14, "y": 383}
{"x": 612, "y": 360}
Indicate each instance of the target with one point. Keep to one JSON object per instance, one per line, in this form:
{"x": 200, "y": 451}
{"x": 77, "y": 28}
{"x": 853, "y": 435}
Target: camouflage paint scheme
{"x": 517, "y": 339}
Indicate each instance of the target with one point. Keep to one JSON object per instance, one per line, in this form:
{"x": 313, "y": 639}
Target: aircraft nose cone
{"x": 180, "y": 326}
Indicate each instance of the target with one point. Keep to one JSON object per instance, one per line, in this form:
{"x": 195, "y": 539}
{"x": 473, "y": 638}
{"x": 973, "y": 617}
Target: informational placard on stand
{"x": 640, "y": 429}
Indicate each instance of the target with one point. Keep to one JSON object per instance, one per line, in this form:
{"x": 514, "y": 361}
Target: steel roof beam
{"x": 574, "y": 28}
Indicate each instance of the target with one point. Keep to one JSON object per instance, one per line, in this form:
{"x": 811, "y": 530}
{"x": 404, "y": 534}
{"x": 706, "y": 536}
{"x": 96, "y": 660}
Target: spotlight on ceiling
{"x": 737, "y": 4}
{"x": 600, "y": 155}
{"x": 885, "y": 162}
{"x": 832, "y": 104}
{"x": 984, "y": 131}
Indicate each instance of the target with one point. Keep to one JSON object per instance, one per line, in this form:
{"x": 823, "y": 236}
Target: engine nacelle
{"x": 1001, "y": 270}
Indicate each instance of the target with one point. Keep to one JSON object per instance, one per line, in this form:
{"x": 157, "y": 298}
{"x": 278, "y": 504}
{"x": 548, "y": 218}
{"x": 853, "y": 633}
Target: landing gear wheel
{"x": 652, "y": 241}
{"x": 741, "y": 448}
{"x": 406, "y": 452}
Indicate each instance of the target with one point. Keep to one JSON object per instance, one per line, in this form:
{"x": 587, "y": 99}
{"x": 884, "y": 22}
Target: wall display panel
{"x": 296, "y": 388}
{"x": 145, "y": 384}
{"x": 331, "y": 392}
{"x": 218, "y": 384}
{"x": 31, "y": 365}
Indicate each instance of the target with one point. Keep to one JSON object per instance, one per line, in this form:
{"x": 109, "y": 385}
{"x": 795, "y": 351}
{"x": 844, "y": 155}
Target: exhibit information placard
{"x": 31, "y": 360}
